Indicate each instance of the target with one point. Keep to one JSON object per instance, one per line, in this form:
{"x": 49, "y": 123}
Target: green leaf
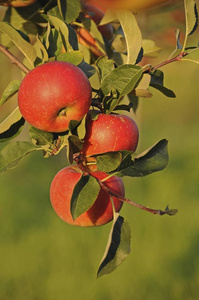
{"x": 104, "y": 66}
{"x": 124, "y": 107}
{"x": 11, "y": 126}
{"x": 170, "y": 212}
{"x": 84, "y": 195}
{"x": 111, "y": 102}
{"x": 109, "y": 161}
{"x": 119, "y": 43}
{"x": 92, "y": 28}
{"x": 78, "y": 127}
{"x": 178, "y": 45}
{"x": 87, "y": 69}
{"x": 73, "y": 57}
{"x": 142, "y": 88}
{"x": 131, "y": 31}
{"x": 118, "y": 247}
{"x": 119, "y": 58}
{"x": 191, "y": 16}
{"x": 42, "y": 54}
{"x": 81, "y": 129}
{"x": 132, "y": 34}
{"x": 53, "y": 42}
{"x": 150, "y": 48}
{"x": 123, "y": 79}
{"x": 12, "y": 153}
{"x": 10, "y": 91}
{"x": 39, "y": 137}
{"x": 26, "y": 48}
{"x": 155, "y": 159}
{"x": 134, "y": 101}
{"x": 63, "y": 29}
{"x": 157, "y": 82}
{"x": 109, "y": 17}
{"x": 69, "y": 9}
{"x": 75, "y": 143}
{"x": 24, "y": 19}
{"x": 192, "y": 56}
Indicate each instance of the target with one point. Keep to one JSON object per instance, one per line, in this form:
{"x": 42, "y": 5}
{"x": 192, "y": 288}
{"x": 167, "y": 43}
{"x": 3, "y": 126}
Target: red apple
{"x": 111, "y": 132}
{"x": 100, "y": 213}
{"x": 54, "y": 93}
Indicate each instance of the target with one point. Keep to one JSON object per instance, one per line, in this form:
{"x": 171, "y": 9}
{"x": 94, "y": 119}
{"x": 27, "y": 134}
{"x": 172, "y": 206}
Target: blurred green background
{"x": 42, "y": 258}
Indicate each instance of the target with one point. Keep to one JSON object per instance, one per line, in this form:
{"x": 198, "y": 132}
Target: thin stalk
{"x": 14, "y": 60}
{"x": 153, "y": 211}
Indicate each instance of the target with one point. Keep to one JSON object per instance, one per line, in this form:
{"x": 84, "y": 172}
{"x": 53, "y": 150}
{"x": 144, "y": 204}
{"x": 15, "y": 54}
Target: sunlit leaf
{"x": 193, "y": 56}
{"x": 11, "y": 126}
{"x": 119, "y": 43}
{"x": 63, "y": 29}
{"x": 10, "y": 91}
{"x": 42, "y": 54}
{"x": 73, "y": 57}
{"x": 105, "y": 66}
{"x": 132, "y": 35}
{"x": 26, "y": 48}
{"x": 40, "y": 137}
{"x": 123, "y": 79}
{"x": 131, "y": 31}
{"x": 142, "y": 88}
{"x": 191, "y": 15}
{"x": 12, "y": 153}
{"x": 69, "y": 9}
{"x": 118, "y": 246}
{"x": 150, "y": 48}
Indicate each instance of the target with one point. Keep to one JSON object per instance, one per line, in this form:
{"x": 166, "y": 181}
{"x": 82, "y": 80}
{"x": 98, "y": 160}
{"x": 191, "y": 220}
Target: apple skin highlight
{"x": 52, "y": 94}
{"x": 110, "y": 133}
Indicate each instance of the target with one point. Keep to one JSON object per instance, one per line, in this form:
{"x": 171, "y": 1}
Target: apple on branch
{"x": 109, "y": 132}
{"x": 53, "y": 94}
{"x": 100, "y": 213}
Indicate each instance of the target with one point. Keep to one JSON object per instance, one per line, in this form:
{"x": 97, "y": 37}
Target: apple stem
{"x": 153, "y": 211}
{"x": 14, "y": 60}
{"x": 79, "y": 159}
{"x": 106, "y": 178}
{"x": 168, "y": 61}
{"x": 91, "y": 163}
{"x": 96, "y": 103}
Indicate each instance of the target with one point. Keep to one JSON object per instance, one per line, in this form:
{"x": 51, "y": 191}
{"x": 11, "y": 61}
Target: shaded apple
{"x": 100, "y": 213}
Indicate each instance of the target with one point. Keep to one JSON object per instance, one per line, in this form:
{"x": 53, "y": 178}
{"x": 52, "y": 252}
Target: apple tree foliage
{"x": 48, "y": 31}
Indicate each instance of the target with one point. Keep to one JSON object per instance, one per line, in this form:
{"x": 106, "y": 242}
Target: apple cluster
{"x": 62, "y": 93}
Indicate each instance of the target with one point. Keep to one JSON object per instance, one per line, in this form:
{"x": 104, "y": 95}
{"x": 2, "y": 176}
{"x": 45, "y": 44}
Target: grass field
{"x": 42, "y": 258}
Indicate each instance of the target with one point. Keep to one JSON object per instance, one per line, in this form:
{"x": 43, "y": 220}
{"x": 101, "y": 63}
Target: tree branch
{"x": 168, "y": 61}
{"x": 14, "y": 60}
{"x": 153, "y": 211}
